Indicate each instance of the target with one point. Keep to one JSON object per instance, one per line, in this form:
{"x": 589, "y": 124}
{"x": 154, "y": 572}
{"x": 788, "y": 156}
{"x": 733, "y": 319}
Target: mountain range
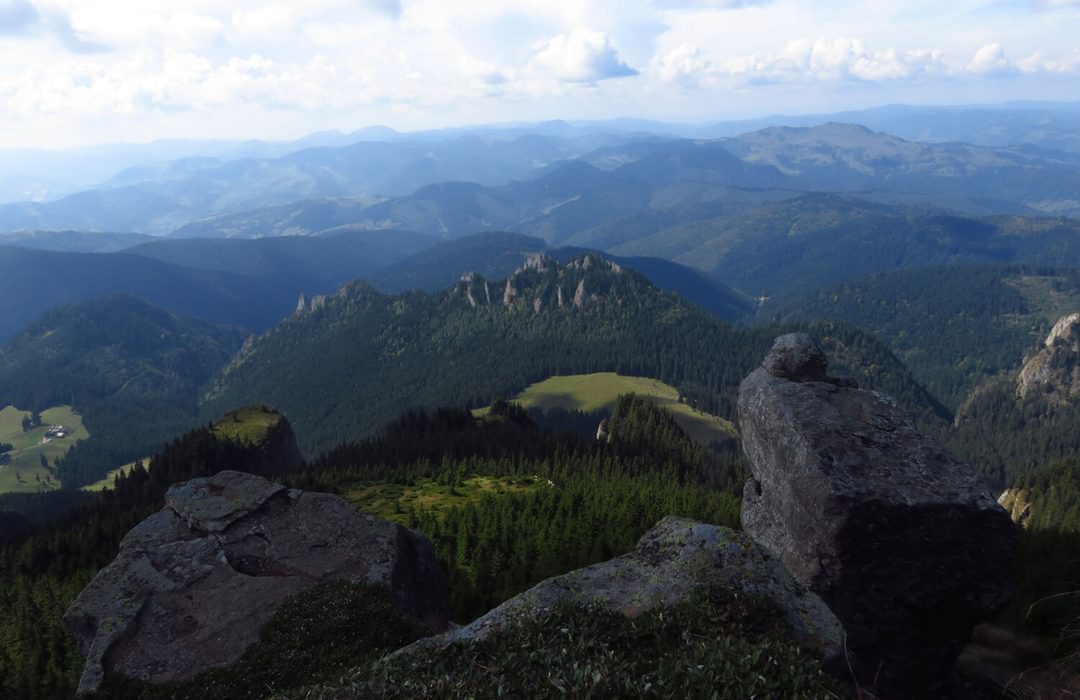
{"x": 513, "y": 180}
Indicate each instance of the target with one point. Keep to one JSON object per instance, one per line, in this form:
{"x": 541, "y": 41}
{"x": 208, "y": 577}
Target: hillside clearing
{"x": 25, "y": 473}
{"x": 107, "y": 481}
{"x": 598, "y": 391}
{"x": 396, "y": 501}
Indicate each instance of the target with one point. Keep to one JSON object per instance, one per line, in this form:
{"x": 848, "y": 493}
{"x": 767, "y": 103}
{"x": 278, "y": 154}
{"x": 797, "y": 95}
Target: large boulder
{"x": 894, "y": 533}
{"x": 194, "y": 583}
{"x": 671, "y": 562}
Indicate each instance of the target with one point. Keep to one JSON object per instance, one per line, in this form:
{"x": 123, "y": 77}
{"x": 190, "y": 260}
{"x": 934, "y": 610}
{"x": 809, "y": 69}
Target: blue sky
{"x": 75, "y": 72}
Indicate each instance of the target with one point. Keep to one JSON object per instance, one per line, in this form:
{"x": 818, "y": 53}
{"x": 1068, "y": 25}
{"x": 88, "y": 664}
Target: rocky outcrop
{"x": 539, "y": 262}
{"x": 670, "y": 563}
{"x": 895, "y": 534}
{"x": 1017, "y": 502}
{"x": 194, "y": 583}
{"x": 303, "y": 305}
{"x": 1053, "y": 373}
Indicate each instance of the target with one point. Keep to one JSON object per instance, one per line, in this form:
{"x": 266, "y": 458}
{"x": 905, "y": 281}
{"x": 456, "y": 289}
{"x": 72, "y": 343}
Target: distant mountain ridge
{"x": 516, "y": 183}
{"x": 159, "y": 201}
{"x": 253, "y": 283}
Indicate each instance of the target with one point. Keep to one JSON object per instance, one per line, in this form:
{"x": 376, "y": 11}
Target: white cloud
{"x": 343, "y": 63}
{"x": 800, "y": 60}
{"x": 989, "y": 59}
{"x": 582, "y": 56}
{"x": 1068, "y": 64}
{"x": 684, "y": 64}
{"x": 265, "y": 21}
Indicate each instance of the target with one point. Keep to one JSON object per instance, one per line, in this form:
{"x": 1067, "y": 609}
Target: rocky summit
{"x": 672, "y": 561}
{"x": 1053, "y": 373}
{"x": 895, "y": 534}
{"x": 194, "y": 583}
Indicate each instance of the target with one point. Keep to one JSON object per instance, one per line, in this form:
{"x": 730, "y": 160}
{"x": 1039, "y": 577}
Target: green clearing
{"x": 107, "y": 481}
{"x": 249, "y": 424}
{"x": 24, "y": 474}
{"x": 1050, "y": 297}
{"x": 395, "y": 501}
{"x": 593, "y": 392}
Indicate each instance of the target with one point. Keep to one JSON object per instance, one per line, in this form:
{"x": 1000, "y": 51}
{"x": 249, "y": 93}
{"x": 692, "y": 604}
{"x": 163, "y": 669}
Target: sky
{"x": 82, "y": 72}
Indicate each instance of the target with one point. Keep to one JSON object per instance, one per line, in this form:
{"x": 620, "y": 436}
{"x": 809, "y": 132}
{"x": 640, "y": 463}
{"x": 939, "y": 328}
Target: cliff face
{"x": 1053, "y": 373}
{"x": 896, "y": 535}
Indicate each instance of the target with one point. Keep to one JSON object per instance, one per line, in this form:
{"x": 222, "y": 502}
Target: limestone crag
{"x": 671, "y": 561}
{"x": 1053, "y": 373}
{"x": 541, "y": 284}
{"x": 896, "y": 535}
{"x": 194, "y": 583}
{"x": 1017, "y": 502}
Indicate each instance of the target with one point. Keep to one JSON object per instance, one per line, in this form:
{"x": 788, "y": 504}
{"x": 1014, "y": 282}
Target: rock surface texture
{"x": 194, "y": 583}
{"x": 1053, "y": 373}
{"x": 895, "y": 535}
{"x": 671, "y": 561}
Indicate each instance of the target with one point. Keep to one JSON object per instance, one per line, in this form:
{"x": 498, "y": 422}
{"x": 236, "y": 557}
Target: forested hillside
{"x": 351, "y": 363}
{"x": 131, "y": 370}
{"x": 495, "y": 255}
{"x": 954, "y": 327}
{"x": 34, "y": 281}
{"x": 1049, "y": 604}
{"x": 598, "y": 499}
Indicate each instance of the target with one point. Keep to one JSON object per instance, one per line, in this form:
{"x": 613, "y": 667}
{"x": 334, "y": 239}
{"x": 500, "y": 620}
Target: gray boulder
{"x": 194, "y": 583}
{"x": 896, "y": 535}
{"x": 671, "y": 561}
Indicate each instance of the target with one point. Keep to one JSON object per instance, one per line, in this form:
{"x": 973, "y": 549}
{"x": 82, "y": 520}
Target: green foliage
{"x": 130, "y": 369}
{"x": 314, "y": 636}
{"x": 342, "y": 371}
{"x": 593, "y": 502}
{"x": 41, "y": 575}
{"x": 250, "y": 425}
{"x": 815, "y": 240}
{"x": 597, "y": 393}
{"x": 1048, "y": 571}
{"x": 1006, "y": 439}
{"x": 954, "y": 327}
{"x": 717, "y": 645}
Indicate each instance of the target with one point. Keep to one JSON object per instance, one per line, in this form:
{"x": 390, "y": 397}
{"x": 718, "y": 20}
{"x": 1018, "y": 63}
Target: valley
{"x": 530, "y": 346}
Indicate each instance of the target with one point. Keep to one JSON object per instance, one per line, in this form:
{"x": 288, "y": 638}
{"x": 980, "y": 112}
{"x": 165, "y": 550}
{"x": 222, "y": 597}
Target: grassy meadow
{"x": 594, "y": 392}
{"x": 395, "y": 501}
{"x": 25, "y": 473}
